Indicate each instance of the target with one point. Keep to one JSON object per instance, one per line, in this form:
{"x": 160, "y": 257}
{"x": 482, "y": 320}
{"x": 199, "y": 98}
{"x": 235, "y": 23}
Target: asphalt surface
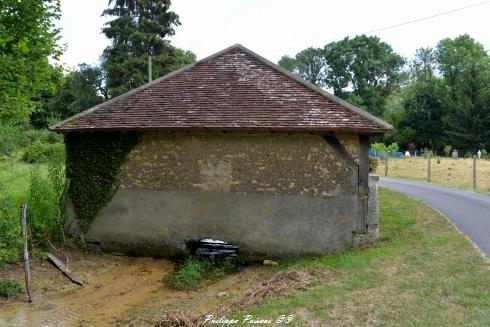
{"x": 469, "y": 211}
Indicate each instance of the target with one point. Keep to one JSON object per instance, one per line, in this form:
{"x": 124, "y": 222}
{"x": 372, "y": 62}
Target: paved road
{"x": 469, "y": 211}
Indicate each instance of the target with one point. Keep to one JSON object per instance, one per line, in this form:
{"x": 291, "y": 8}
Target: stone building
{"x": 238, "y": 149}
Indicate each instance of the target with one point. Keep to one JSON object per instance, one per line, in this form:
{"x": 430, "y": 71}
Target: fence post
{"x": 386, "y": 163}
{"x": 428, "y": 166}
{"x": 27, "y": 267}
{"x": 474, "y": 171}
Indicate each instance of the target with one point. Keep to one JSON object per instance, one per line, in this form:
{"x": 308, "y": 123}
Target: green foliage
{"x": 93, "y": 163}
{"x": 423, "y": 102}
{"x": 193, "y": 271}
{"x": 81, "y": 89}
{"x": 373, "y": 164}
{"x": 27, "y": 40}
{"x": 139, "y": 29}
{"x": 363, "y": 70}
{"x": 43, "y": 152}
{"x": 42, "y": 135}
{"x": 447, "y": 150}
{"x": 14, "y": 191}
{"x": 378, "y": 146}
{"x": 308, "y": 64}
{"x": 45, "y": 204}
{"x": 13, "y": 138}
{"x": 9, "y": 288}
{"x": 10, "y": 139}
{"x": 9, "y": 230}
{"x": 393, "y": 147}
{"x": 465, "y": 68}
{"x": 189, "y": 274}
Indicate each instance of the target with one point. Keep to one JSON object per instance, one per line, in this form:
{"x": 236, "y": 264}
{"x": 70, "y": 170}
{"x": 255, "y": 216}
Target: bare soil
{"x": 118, "y": 291}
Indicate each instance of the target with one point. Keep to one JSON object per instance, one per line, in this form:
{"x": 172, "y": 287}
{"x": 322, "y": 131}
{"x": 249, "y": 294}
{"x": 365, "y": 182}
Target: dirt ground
{"x": 118, "y": 291}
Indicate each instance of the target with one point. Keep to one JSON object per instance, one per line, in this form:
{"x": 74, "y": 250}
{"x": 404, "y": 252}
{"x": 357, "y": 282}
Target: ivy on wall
{"x": 93, "y": 163}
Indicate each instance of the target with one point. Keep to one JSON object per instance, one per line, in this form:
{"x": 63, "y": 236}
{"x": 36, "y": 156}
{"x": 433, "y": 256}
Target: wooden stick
{"x": 386, "y": 163}
{"x": 64, "y": 269}
{"x": 474, "y": 171}
{"x": 428, "y": 166}
{"x": 27, "y": 266}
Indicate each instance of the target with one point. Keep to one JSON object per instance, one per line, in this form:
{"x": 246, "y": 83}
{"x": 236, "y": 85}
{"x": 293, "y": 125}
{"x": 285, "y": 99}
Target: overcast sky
{"x": 273, "y": 28}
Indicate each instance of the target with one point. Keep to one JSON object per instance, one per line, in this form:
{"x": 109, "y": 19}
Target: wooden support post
{"x": 27, "y": 267}
{"x": 386, "y": 163}
{"x": 363, "y": 183}
{"x": 428, "y": 167}
{"x": 474, "y": 171}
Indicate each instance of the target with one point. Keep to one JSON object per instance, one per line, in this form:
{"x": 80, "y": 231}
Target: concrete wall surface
{"x": 273, "y": 195}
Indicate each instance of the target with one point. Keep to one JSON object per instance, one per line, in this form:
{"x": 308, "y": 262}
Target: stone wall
{"x": 273, "y": 195}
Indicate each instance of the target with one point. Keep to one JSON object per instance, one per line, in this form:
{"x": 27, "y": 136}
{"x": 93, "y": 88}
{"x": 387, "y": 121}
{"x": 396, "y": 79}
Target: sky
{"x": 274, "y": 28}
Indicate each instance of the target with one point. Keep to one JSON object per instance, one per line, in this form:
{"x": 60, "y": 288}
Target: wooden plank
{"x": 363, "y": 182}
{"x": 64, "y": 269}
{"x": 27, "y": 266}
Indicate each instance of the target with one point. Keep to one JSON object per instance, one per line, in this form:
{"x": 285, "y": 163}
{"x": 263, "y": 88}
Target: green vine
{"x": 93, "y": 163}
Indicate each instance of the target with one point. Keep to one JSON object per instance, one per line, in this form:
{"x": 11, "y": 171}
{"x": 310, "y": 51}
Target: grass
{"x": 422, "y": 273}
{"x": 444, "y": 171}
{"x": 14, "y": 191}
{"x": 38, "y": 185}
{"x": 9, "y": 288}
{"x": 193, "y": 271}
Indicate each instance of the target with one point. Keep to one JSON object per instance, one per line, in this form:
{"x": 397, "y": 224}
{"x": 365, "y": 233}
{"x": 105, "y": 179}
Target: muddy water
{"x": 119, "y": 291}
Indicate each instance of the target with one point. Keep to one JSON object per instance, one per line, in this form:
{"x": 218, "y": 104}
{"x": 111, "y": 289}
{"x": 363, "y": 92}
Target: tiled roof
{"x": 232, "y": 90}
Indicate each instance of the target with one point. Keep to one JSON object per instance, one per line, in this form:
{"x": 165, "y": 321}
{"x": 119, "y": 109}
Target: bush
{"x": 11, "y": 138}
{"x": 9, "y": 288}
{"x": 378, "y": 147}
{"x": 43, "y": 135}
{"x": 43, "y": 152}
{"x": 448, "y": 149}
{"x": 373, "y": 164}
{"x": 393, "y": 147}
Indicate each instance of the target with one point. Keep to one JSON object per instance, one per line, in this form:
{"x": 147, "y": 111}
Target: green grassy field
{"x": 422, "y": 273}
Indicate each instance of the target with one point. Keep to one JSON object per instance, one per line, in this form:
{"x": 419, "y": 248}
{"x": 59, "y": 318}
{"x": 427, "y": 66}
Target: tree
{"x": 422, "y": 102}
{"x": 375, "y": 69}
{"x": 80, "y": 90}
{"x": 362, "y": 70}
{"x": 27, "y": 41}
{"x": 465, "y": 68}
{"x": 138, "y": 31}
{"x": 308, "y": 64}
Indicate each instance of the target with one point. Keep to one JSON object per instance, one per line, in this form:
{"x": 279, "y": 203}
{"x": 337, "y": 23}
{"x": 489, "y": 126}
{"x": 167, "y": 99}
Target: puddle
{"x": 118, "y": 291}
